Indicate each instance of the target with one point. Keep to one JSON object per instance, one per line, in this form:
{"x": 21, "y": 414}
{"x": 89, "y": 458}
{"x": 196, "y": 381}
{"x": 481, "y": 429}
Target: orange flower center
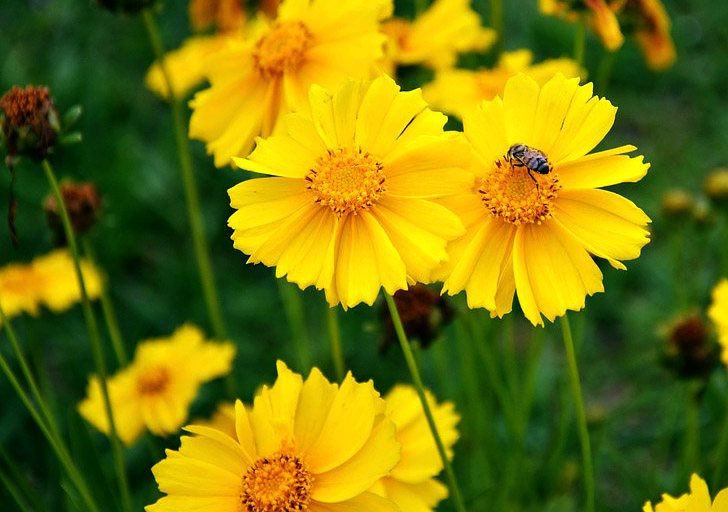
{"x": 518, "y": 196}
{"x": 282, "y": 49}
{"x": 346, "y": 180}
{"x": 279, "y": 483}
{"x": 153, "y": 381}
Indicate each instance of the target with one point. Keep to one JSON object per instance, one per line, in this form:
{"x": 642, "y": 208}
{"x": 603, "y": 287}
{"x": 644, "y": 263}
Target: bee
{"x": 520, "y": 155}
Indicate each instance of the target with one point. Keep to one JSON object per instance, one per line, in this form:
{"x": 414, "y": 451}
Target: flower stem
{"x": 580, "y": 41}
{"x": 93, "y": 332}
{"x": 496, "y": 23}
{"x": 417, "y": 381}
{"x": 112, "y": 325}
{"x": 337, "y": 355}
{"x": 189, "y": 183}
{"x": 293, "y": 308}
{"x": 575, "y": 383}
{"x": 51, "y": 435}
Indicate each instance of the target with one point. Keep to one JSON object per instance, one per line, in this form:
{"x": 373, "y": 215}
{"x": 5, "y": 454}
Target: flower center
{"x": 518, "y": 196}
{"x": 346, "y": 180}
{"x": 282, "y": 49}
{"x": 153, "y": 381}
{"x": 279, "y": 483}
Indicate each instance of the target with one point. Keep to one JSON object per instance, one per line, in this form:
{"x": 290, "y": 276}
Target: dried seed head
{"x": 83, "y": 203}
{"x": 29, "y": 122}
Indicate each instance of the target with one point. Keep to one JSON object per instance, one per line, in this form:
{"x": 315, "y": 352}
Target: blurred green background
{"x": 677, "y": 119}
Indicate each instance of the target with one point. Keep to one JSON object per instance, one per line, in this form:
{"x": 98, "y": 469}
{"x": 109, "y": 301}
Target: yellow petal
{"x": 279, "y": 156}
{"x": 520, "y": 98}
{"x": 364, "y": 501}
{"x": 216, "y": 447}
{"x": 229, "y": 503}
{"x": 554, "y": 102}
{"x": 191, "y": 477}
{"x": 485, "y": 128}
{"x": 415, "y": 497}
{"x": 602, "y": 169}
{"x": 244, "y": 432}
{"x": 317, "y": 396}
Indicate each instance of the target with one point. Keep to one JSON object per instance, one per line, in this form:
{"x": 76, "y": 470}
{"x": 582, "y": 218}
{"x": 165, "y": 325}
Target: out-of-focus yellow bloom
{"x": 458, "y": 91}
{"x": 537, "y": 213}
{"x": 305, "y": 445}
{"x": 255, "y": 80}
{"x": 598, "y": 14}
{"x": 718, "y": 313}
{"x": 156, "y": 390}
{"x": 49, "y": 280}
{"x": 223, "y": 15}
{"x": 223, "y": 419}
{"x": 436, "y": 37}
{"x": 697, "y": 500}
{"x": 647, "y": 21}
{"x": 349, "y": 202}
{"x": 411, "y": 484}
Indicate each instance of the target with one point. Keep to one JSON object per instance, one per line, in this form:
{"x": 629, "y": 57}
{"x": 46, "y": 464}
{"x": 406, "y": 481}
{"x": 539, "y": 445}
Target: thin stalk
{"x": 112, "y": 325}
{"x": 717, "y": 481}
{"x": 337, "y": 355}
{"x": 496, "y": 23}
{"x": 293, "y": 308}
{"x": 94, "y": 337}
{"x": 192, "y": 195}
{"x": 15, "y": 493}
{"x": 586, "y": 455}
{"x": 580, "y": 41}
{"x": 417, "y": 381}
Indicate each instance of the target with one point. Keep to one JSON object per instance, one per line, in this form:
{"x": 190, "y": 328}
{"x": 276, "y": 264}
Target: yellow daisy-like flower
{"x": 305, "y": 445}
{"x": 255, "y": 80}
{"x": 718, "y": 313}
{"x": 697, "y": 500}
{"x": 350, "y": 204}
{"x": 49, "y": 280}
{"x": 436, "y": 37}
{"x": 411, "y": 484}
{"x": 156, "y": 390}
{"x": 458, "y": 91}
{"x": 536, "y": 214}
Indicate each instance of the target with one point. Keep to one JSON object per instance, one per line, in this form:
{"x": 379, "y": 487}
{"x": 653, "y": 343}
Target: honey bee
{"x": 520, "y": 155}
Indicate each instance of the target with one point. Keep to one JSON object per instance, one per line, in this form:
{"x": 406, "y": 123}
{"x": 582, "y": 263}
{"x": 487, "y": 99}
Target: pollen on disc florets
{"x": 278, "y": 483}
{"x": 153, "y": 381}
{"x": 347, "y": 180}
{"x": 511, "y": 194}
{"x": 282, "y": 49}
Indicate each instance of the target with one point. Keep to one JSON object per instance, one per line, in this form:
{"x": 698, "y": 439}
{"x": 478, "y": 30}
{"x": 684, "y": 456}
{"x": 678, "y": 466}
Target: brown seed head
{"x": 29, "y": 122}
{"x": 83, "y": 203}
{"x": 688, "y": 349}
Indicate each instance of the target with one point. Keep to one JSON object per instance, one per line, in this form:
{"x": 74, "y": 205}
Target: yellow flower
{"x": 534, "y": 234}
{"x": 651, "y": 31}
{"x": 698, "y": 500}
{"x": 718, "y": 313}
{"x": 223, "y": 419}
{"x": 305, "y": 445}
{"x": 155, "y": 391}
{"x": 600, "y": 16}
{"x": 225, "y": 15}
{"x": 458, "y": 91}
{"x": 256, "y": 79}
{"x": 350, "y": 207}
{"x": 49, "y": 280}
{"x": 411, "y": 484}
{"x": 436, "y": 37}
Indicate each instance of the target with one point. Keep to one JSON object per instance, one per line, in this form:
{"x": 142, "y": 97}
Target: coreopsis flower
{"x": 537, "y": 213}
{"x": 412, "y": 484}
{"x": 718, "y": 314}
{"x": 697, "y": 500}
{"x": 647, "y": 21}
{"x": 49, "y": 280}
{"x": 436, "y": 37}
{"x": 157, "y": 388}
{"x": 305, "y": 445}
{"x": 458, "y": 91}
{"x": 253, "y": 80}
{"x": 598, "y": 13}
{"x": 349, "y": 205}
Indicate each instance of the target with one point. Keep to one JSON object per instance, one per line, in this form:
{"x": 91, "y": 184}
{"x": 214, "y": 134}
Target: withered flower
{"x": 83, "y": 203}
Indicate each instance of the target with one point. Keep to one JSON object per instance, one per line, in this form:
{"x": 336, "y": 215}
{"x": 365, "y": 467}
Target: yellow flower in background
{"x": 223, "y": 419}
{"x": 256, "y": 79}
{"x": 223, "y": 15}
{"x": 349, "y": 206}
{"x": 156, "y": 390}
{"x": 598, "y": 13}
{"x": 411, "y": 484}
{"x": 436, "y": 37}
{"x": 536, "y": 214}
{"x": 718, "y": 313}
{"x": 49, "y": 280}
{"x": 305, "y": 445}
{"x": 458, "y": 91}
{"x": 697, "y": 500}
{"x": 649, "y": 24}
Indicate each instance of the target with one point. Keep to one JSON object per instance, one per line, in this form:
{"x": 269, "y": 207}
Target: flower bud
{"x": 83, "y": 203}
{"x": 688, "y": 349}
{"x": 716, "y": 187}
{"x": 677, "y": 204}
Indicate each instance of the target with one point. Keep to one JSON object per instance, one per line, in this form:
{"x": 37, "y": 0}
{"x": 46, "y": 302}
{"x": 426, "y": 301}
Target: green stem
{"x": 293, "y": 308}
{"x": 496, "y": 23}
{"x": 189, "y": 183}
{"x": 337, "y": 355}
{"x": 575, "y": 383}
{"x": 112, "y": 325}
{"x": 417, "y": 381}
{"x": 580, "y": 41}
{"x": 604, "y": 71}
{"x": 721, "y": 454}
{"x": 93, "y": 332}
